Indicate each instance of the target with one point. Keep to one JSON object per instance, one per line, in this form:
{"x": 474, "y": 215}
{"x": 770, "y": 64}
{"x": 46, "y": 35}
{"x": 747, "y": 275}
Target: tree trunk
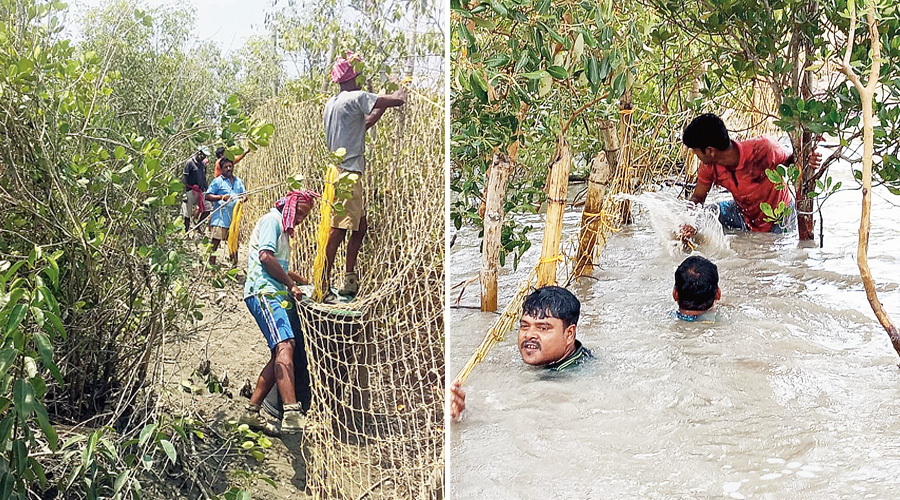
{"x": 864, "y": 224}
{"x": 591, "y": 217}
{"x": 804, "y": 204}
{"x": 866, "y": 94}
{"x": 610, "y": 137}
{"x": 493, "y": 229}
{"x": 556, "y": 204}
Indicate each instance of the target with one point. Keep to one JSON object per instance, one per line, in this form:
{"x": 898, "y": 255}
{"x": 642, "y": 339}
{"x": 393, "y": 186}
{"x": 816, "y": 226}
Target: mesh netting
{"x": 377, "y": 363}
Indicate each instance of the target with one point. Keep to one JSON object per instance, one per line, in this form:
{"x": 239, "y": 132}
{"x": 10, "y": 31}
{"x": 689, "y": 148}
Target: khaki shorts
{"x": 218, "y": 233}
{"x": 189, "y": 201}
{"x": 354, "y": 208}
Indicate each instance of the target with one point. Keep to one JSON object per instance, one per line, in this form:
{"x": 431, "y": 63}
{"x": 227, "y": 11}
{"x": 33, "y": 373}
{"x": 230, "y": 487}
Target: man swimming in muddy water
{"x": 740, "y": 167}
{"x": 546, "y": 336}
{"x": 696, "y": 289}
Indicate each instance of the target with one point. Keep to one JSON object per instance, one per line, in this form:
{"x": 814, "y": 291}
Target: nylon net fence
{"x": 377, "y": 363}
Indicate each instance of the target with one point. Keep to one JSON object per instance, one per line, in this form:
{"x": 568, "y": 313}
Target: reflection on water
{"x": 793, "y": 393}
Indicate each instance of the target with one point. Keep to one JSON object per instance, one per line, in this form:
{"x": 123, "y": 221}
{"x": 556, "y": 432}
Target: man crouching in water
{"x": 546, "y": 336}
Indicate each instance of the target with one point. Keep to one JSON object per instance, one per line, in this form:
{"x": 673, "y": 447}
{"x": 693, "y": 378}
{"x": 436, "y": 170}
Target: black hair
{"x": 696, "y": 281}
{"x": 707, "y": 130}
{"x": 553, "y": 302}
{"x": 220, "y": 152}
{"x": 200, "y": 154}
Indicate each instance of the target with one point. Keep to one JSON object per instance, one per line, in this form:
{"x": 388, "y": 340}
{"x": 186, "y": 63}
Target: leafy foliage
{"x": 524, "y": 71}
{"x": 94, "y": 267}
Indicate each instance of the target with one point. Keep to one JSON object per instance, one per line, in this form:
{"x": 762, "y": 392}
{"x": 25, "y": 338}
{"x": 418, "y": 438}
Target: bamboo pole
{"x": 558, "y": 181}
{"x": 592, "y": 217}
{"x": 493, "y": 228}
{"x": 494, "y": 336}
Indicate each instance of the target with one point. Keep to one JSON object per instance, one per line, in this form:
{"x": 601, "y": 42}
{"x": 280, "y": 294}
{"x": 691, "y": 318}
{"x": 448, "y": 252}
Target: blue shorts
{"x": 731, "y": 218}
{"x": 271, "y": 317}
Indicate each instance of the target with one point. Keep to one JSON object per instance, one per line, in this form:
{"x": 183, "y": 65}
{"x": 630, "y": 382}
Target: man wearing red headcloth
{"x": 347, "y": 117}
{"x": 264, "y": 293}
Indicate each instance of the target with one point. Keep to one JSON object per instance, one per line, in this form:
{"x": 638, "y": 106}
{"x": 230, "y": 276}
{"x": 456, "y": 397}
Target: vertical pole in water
{"x": 626, "y": 109}
{"x": 493, "y": 229}
{"x": 591, "y": 217}
{"x": 556, "y": 204}
{"x": 610, "y": 142}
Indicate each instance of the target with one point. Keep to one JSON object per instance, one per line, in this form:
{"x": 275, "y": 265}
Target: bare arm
{"x": 373, "y": 117}
{"x": 700, "y": 192}
{"x": 383, "y": 102}
{"x": 217, "y": 197}
{"x": 298, "y": 278}
{"x": 457, "y": 400}
{"x": 271, "y": 265}
{"x": 398, "y": 98}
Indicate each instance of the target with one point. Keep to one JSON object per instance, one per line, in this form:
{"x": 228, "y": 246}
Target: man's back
{"x": 345, "y": 126}
{"x": 194, "y": 173}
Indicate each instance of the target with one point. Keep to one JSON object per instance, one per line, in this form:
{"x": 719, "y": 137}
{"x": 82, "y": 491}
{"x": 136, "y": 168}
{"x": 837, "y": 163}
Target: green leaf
{"x": 499, "y": 8}
{"x": 496, "y": 61}
{"x": 478, "y": 80}
{"x": 120, "y": 481}
{"x": 143, "y": 186}
{"x": 55, "y": 325}
{"x": 558, "y": 72}
{"x": 146, "y": 433}
{"x": 15, "y": 267}
{"x": 45, "y": 348}
{"x": 536, "y": 75}
{"x": 7, "y": 356}
{"x": 15, "y": 317}
{"x": 169, "y": 448}
{"x": 23, "y": 398}
{"x": 119, "y": 152}
{"x": 38, "y": 471}
{"x": 44, "y": 421}
{"x": 6, "y": 426}
{"x": 773, "y": 176}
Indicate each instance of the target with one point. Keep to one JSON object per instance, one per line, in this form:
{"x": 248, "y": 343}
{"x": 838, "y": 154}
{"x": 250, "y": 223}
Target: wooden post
{"x": 493, "y": 229}
{"x": 591, "y": 220}
{"x": 556, "y": 204}
{"x": 610, "y": 143}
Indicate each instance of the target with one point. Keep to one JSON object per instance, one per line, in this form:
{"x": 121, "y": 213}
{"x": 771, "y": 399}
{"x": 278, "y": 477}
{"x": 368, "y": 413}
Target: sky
{"x": 226, "y": 22}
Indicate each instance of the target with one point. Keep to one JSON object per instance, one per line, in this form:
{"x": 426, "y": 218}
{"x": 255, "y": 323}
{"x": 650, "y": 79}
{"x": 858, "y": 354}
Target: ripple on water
{"x": 794, "y": 389}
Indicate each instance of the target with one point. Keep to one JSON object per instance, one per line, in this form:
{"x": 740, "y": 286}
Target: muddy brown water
{"x": 793, "y": 393}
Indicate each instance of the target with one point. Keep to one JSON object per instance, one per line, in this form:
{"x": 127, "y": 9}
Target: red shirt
{"x": 219, "y": 169}
{"x": 748, "y": 183}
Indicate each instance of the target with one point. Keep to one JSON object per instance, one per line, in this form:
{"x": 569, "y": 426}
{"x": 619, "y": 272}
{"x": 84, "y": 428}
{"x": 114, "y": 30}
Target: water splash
{"x": 667, "y": 214}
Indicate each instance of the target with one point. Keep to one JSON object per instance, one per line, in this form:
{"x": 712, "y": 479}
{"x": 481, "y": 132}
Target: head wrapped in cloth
{"x": 288, "y": 206}
{"x": 343, "y": 71}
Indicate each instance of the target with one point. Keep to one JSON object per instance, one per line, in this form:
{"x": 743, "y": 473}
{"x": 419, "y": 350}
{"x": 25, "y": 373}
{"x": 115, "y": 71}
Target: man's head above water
{"x": 696, "y": 285}
{"x": 547, "y": 328}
